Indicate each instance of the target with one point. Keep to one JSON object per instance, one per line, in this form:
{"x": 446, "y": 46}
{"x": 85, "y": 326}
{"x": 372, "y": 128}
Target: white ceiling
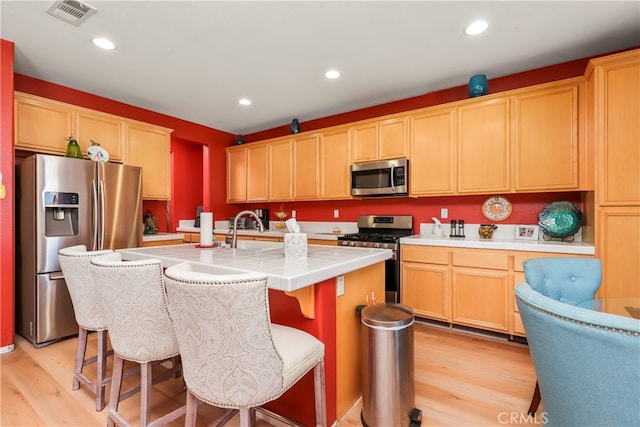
{"x": 194, "y": 60}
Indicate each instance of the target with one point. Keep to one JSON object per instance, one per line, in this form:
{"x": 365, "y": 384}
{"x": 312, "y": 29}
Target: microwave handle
{"x": 393, "y": 179}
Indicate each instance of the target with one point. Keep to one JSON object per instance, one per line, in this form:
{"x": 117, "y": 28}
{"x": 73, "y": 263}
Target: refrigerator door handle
{"x": 56, "y": 276}
{"x": 94, "y": 216}
{"x": 102, "y": 215}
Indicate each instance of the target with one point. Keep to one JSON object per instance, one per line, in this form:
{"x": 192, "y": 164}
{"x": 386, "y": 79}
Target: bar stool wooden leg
{"x": 82, "y": 348}
{"x": 101, "y": 366}
{"x": 320, "y": 394}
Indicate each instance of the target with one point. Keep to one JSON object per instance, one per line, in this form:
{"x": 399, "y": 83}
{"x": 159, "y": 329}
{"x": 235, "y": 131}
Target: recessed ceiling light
{"x": 476, "y": 28}
{"x": 244, "y": 101}
{"x": 332, "y": 74}
{"x": 103, "y": 43}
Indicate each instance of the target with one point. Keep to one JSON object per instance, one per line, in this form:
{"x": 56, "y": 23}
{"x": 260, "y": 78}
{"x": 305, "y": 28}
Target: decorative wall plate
{"x": 496, "y": 208}
{"x": 560, "y": 220}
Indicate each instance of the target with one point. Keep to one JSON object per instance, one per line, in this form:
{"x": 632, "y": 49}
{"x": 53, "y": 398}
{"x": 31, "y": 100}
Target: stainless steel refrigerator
{"x": 62, "y": 202}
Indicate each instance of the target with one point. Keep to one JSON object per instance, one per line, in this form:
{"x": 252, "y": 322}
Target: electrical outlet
{"x": 336, "y": 213}
{"x": 293, "y": 213}
{"x": 444, "y": 213}
{"x": 339, "y": 286}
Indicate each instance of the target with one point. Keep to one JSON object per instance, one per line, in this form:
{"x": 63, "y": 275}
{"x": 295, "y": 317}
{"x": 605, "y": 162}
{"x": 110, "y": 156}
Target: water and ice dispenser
{"x": 61, "y": 213}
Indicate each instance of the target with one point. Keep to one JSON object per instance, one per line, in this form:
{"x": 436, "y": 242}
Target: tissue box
{"x": 295, "y": 245}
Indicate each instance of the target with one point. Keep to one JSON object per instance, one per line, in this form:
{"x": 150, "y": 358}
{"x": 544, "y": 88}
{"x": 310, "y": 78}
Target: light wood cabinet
{"x": 380, "y": 140}
{"x": 306, "y": 168}
{"x": 41, "y": 125}
{"x": 618, "y": 247}
{"x": 105, "y": 129}
{"x": 469, "y": 287}
{"x": 432, "y": 152}
{"x": 480, "y": 289}
{"x": 150, "y": 148}
{"x": 280, "y": 170}
{"x": 236, "y": 174}
{"x": 335, "y": 163}
{"x": 614, "y": 133}
{"x": 546, "y": 139}
{"x": 483, "y": 149}
{"x": 257, "y": 172}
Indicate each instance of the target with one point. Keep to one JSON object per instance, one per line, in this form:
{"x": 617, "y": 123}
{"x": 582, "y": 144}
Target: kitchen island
{"x": 317, "y": 294}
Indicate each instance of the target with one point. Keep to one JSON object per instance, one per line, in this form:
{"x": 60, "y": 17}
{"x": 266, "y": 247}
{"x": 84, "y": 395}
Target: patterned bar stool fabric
{"x": 140, "y": 329}
{"x": 232, "y": 356}
{"x": 74, "y": 262}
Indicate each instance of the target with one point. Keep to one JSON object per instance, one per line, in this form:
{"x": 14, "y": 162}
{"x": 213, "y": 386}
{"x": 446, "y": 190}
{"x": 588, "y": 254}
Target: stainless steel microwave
{"x": 384, "y": 178}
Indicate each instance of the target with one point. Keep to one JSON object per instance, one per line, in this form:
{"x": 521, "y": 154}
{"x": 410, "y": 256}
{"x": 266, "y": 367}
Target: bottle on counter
{"x": 460, "y": 228}
{"x": 454, "y": 229}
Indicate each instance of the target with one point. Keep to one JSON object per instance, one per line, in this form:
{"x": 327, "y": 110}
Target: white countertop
{"x": 577, "y": 248}
{"x": 162, "y": 236}
{"x": 323, "y": 262}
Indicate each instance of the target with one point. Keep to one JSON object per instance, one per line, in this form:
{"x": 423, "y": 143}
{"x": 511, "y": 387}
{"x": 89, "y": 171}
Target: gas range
{"x": 379, "y": 231}
{"x": 382, "y": 231}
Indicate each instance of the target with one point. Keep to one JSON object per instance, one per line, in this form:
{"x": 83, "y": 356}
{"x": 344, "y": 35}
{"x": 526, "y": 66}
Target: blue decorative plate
{"x": 560, "y": 219}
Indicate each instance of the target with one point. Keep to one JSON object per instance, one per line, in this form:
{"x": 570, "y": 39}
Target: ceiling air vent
{"x": 71, "y": 11}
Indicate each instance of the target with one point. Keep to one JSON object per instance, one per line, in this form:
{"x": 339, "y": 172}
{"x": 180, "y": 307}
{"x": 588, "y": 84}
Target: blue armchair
{"x": 568, "y": 280}
{"x": 587, "y": 362}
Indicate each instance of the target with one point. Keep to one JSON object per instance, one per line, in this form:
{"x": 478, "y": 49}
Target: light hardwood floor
{"x": 461, "y": 379}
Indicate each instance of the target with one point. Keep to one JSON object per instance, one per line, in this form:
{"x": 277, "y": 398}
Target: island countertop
{"x": 322, "y": 262}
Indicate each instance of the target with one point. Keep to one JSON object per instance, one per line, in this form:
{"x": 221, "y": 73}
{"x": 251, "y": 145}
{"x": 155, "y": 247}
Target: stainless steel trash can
{"x": 388, "y": 391}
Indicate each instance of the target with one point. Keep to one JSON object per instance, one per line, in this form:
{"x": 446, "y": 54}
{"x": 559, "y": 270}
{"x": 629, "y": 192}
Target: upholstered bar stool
{"x": 233, "y": 356}
{"x": 140, "y": 329}
{"x": 74, "y": 262}
{"x": 566, "y": 279}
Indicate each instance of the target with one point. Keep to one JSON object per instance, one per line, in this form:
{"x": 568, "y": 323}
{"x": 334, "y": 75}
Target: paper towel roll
{"x": 206, "y": 229}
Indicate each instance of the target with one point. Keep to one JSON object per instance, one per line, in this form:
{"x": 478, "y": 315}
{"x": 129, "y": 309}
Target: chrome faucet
{"x": 234, "y": 239}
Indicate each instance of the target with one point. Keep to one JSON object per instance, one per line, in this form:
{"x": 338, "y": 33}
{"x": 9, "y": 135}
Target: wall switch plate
{"x": 336, "y": 213}
{"x": 339, "y": 286}
{"x": 293, "y": 213}
{"x": 444, "y": 213}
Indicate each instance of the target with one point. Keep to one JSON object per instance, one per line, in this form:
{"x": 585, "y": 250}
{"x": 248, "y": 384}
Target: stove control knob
{"x": 385, "y": 246}
{"x": 352, "y": 243}
{"x": 377, "y": 245}
{"x": 364, "y": 244}
{"x": 345, "y": 243}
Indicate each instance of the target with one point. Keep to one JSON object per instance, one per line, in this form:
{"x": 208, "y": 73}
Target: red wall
{"x": 6, "y": 204}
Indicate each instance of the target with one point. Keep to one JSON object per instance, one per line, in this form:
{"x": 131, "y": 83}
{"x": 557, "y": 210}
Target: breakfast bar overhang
{"x": 303, "y": 293}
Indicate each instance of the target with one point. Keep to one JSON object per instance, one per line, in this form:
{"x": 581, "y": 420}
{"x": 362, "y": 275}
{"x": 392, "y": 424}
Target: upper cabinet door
{"x": 546, "y": 139}
{"x": 617, "y": 129}
{"x": 306, "y": 168}
{"x": 236, "y": 174}
{"x": 483, "y": 147}
{"x": 257, "y": 173}
{"x": 41, "y": 125}
{"x": 365, "y": 143}
{"x": 150, "y": 147}
{"x": 432, "y": 152}
{"x": 380, "y": 140}
{"x": 393, "y": 139}
{"x": 104, "y": 129}
{"x": 280, "y": 170}
{"x": 335, "y": 162}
